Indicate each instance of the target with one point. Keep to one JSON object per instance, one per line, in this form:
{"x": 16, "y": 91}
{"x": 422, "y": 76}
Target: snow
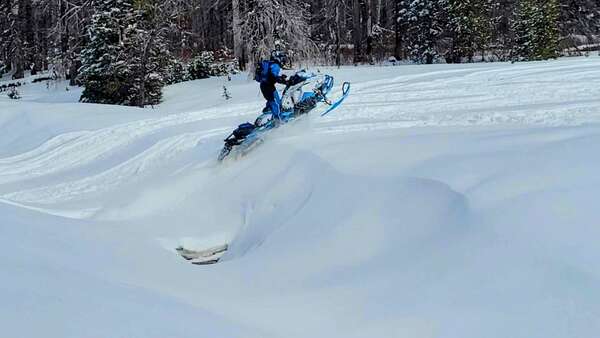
{"x": 437, "y": 201}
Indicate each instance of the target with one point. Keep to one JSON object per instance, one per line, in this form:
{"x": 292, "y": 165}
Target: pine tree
{"x": 125, "y": 59}
{"x": 522, "y": 27}
{"x": 200, "y": 67}
{"x": 424, "y": 20}
{"x": 149, "y": 57}
{"x": 13, "y": 93}
{"x": 176, "y": 71}
{"x": 6, "y": 22}
{"x": 548, "y": 33}
{"x": 127, "y": 42}
{"x": 15, "y": 31}
{"x": 104, "y": 72}
{"x": 226, "y": 94}
{"x": 536, "y": 30}
{"x": 147, "y": 66}
{"x": 469, "y": 27}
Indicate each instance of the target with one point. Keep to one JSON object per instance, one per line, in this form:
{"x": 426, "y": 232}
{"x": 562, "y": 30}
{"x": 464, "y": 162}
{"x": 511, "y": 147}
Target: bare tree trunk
{"x": 74, "y": 72}
{"x": 380, "y": 44}
{"x": 370, "y": 31}
{"x": 18, "y": 64}
{"x": 397, "y": 35}
{"x": 238, "y": 48}
{"x": 338, "y": 33}
{"x": 64, "y": 32}
{"x": 144, "y": 69}
{"x": 19, "y": 52}
{"x": 356, "y": 36}
{"x": 378, "y": 12}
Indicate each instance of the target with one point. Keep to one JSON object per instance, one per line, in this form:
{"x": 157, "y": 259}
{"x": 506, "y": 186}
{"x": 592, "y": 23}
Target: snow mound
{"x": 299, "y": 203}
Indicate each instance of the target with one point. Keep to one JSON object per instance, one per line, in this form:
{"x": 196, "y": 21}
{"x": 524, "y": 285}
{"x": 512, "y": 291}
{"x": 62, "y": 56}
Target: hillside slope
{"x": 438, "y": 201}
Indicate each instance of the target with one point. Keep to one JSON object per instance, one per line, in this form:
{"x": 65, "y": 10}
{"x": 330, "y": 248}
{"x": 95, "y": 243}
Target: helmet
{"x": 279, "y": 57}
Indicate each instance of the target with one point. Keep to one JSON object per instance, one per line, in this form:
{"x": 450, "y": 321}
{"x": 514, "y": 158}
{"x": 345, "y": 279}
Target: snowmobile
{"x": 303, "y": 92}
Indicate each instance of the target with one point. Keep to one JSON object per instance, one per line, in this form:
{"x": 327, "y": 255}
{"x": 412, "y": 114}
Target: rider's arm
{"x": 279, "y": 78}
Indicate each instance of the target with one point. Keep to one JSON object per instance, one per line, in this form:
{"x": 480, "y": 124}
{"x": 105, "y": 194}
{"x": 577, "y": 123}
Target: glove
{"x": 286, "y": 81}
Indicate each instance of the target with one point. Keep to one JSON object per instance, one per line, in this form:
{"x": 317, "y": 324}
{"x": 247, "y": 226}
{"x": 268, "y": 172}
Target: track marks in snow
{"x": 77, "y": 165}
{"x": 50, "y": 145}
{"x": 496, "y": 94}
{"x": 66, "y": 152}
{"x": 138, "y": 167}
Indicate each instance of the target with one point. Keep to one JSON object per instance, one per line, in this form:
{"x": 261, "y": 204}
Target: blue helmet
{"x": 279, "y": 57}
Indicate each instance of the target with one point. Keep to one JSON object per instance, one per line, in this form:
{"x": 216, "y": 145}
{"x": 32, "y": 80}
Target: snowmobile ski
{"x": 345, "y": 93}
{"x": 203, "y": 257}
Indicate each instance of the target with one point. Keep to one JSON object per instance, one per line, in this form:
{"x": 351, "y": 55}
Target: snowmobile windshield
{"x": 307, "y": 82}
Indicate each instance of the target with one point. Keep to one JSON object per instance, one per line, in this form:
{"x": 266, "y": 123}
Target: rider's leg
{"x": 268, "y": 93}
{"x": 275, "y": 105}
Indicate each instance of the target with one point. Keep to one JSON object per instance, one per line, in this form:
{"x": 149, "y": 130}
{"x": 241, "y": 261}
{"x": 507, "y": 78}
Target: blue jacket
{"x": 271, "y": 75}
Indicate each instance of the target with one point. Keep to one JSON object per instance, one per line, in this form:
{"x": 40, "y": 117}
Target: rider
{"x": 268, "y": 75}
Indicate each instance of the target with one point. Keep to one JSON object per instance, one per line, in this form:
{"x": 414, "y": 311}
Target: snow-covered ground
{"x": 438, "y": 201}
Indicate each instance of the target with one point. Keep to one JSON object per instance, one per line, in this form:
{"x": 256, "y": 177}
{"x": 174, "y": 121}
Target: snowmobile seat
{"x": 244, "y": 130}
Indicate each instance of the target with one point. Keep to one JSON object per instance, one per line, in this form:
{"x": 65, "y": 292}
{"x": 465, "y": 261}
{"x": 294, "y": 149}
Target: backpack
{"x": 261, "y": 71}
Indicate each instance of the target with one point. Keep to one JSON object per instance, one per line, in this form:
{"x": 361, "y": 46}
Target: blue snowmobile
{"x": 304, "y": 90}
